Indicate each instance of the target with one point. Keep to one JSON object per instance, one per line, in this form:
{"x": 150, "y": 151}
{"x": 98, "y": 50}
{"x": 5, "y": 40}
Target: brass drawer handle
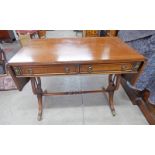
{"x": 90, "y": 68}
{"x": 17, "y": 70}
{"x": 30, "y": 71}
{"x": 124, "y": 67}
{"x": 136, "y": 66}
{"x": 67, "y": 69}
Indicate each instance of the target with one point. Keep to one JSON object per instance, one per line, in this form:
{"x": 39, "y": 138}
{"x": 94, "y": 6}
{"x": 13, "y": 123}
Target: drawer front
{"x": 45, "y": 70}
{"x": 102, "y": 68}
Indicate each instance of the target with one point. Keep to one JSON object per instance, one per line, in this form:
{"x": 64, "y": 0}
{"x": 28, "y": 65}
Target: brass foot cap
{"x": 113, "y": 113}
{"x": 39, "y": 118}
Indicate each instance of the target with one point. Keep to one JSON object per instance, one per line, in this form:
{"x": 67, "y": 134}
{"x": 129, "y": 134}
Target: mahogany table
{"x": 70, "y": 56}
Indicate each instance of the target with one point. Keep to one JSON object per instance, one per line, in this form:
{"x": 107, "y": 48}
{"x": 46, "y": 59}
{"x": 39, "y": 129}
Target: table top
{"x": 75, "y": 50}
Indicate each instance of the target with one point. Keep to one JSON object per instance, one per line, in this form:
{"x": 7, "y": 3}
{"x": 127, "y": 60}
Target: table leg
{"x": 37, "y": 90}
{"x": 114, "y": 82}
{"x": 39, "y": 107}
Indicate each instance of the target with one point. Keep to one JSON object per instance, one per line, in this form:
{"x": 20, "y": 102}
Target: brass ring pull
{"x": 30, "y": 71}
{"x": 67, "y": 70}
{"x": 17, "y": 70}
{"x": 136, "y": 66}
{"x": 90, "y": 69}
{"x": 124, "y": 67}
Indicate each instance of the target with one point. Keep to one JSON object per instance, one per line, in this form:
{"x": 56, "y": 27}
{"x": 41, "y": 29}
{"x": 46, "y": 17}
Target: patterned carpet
{"x": 6, "y": 83}
{"x": 10, "y": 49}
{"x": 1, "y": 70}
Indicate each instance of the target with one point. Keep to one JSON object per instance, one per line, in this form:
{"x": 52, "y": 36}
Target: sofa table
{"x": 71, "y": 56}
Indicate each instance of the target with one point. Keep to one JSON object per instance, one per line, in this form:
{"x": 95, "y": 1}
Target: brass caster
{"x": 39, "y": 118}
{"x": 113, "y": 113}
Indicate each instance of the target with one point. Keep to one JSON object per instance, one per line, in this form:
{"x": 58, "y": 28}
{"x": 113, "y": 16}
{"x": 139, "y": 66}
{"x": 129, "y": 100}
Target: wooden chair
{"x": 26, "y": 35}
{"x": 32, "y": 33}
{"x": 111, "y": 33}
{"x": 96, "y": 33}
{"x": 141, "y": 98}
{"x": 91, "y": 33}
{"x": 42, "y": 34}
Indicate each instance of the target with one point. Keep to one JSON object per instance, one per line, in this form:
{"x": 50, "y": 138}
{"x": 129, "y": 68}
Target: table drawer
{"x": 44, "y": 70}
{"x": 101, "y": 68}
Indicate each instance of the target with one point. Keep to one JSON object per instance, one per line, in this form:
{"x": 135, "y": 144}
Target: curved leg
{"x": 36, "y": 87}
{"x": 114, "y": 81}
{"x": 39, "y": 107}
{"x": 111, "y": 103}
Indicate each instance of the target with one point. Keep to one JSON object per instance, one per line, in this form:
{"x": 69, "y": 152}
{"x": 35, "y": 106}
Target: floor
{"x": 21, "y": 107}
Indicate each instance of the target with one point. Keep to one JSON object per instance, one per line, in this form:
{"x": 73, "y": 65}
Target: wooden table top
{"x": 75, "y": 50}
